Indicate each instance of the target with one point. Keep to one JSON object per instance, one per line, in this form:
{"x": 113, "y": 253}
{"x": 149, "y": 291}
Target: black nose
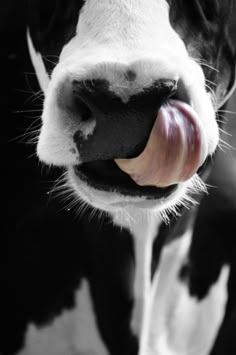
{"x": 111, "y": 125}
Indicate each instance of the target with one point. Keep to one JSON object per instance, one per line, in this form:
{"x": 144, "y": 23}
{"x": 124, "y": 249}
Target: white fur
{"x": 181, "y": 325}
{"x": 144, "y": 232}
{"x": 74, "y": 332}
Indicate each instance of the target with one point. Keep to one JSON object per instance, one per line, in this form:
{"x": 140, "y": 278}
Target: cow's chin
{"x": 116, "y": 196}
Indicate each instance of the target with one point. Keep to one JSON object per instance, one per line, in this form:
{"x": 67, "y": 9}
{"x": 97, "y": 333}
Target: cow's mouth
{"x": 106, "y": 176}
{"x": 174, "y": 152}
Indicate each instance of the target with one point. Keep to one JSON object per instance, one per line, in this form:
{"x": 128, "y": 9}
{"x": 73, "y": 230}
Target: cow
{"x": 132, "y": 91}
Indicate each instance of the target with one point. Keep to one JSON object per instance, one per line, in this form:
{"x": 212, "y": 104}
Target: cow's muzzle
{"x": 110, "y": 126}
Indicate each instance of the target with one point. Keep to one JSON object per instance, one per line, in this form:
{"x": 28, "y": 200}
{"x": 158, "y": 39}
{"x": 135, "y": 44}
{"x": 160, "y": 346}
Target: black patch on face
{"x": 203, "y": 24}
{"x": 52, "y": 24}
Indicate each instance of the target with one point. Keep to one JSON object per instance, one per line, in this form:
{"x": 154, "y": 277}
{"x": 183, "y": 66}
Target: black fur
{"x": 52, "y": 24}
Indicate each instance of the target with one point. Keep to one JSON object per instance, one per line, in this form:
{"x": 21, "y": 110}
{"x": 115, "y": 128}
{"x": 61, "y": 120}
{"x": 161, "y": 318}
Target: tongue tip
{"x": 176, "y": 148}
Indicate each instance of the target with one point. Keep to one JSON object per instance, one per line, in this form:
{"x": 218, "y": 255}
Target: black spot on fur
{"x": 204, "y": 25}
{"x": 52, "y": 24}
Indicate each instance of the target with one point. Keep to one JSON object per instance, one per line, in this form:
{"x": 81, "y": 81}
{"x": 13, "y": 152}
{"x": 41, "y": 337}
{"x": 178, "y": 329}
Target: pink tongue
{"x": 175, "y": 150}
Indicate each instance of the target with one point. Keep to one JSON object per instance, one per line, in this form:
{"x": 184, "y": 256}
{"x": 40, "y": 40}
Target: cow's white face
{"x": 115, "y": 74}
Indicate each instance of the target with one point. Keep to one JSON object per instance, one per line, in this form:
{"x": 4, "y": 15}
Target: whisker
{"x": 30, "y": 136}
{"x": 225, "y": 145}
{"x": 213, "y": 95}
{"x": 33, "y": 155}
{"x": 204, "y": 63}
{"x": 223, "y": 117}
{"x": 35, "y": 96}
{"x": 28, "y": 111}
{"x": 211, "y": 82}
{"x": 225, "y": 132}
{"x": 46, "y": 58}
{"x": 229, "y": 112}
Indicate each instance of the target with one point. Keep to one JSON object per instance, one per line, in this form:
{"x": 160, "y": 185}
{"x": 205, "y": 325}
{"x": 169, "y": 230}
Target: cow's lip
{"x": 104, "y": 175}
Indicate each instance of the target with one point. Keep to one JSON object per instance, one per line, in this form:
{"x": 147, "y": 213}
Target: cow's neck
{"x": 144, "y": 230}
{"x": 144, "y": 233}
{"x": 151, "y": 290}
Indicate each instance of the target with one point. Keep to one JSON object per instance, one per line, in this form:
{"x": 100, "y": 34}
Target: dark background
{"x": 25, "y": 182}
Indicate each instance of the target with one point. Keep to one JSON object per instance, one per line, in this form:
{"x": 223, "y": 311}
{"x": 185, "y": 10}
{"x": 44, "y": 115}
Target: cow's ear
{"x": 226, "y": 79}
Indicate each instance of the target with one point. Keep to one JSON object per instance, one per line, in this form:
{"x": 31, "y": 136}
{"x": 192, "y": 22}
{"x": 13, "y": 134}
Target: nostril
{"x": 130, "y": 75}
{"x": 181, "y": 93}
{"x": 83, "y": 110}
{"x": 166, "y": 87}
{"x": 88, "y": 95}
{"x": 74, "y": 103}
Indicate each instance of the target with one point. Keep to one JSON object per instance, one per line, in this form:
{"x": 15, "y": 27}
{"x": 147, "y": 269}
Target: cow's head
{"x": 131, "y": 93}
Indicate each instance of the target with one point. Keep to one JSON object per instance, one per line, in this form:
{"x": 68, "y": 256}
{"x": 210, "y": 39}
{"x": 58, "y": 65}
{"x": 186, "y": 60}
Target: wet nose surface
{"x": 120, "y": 127}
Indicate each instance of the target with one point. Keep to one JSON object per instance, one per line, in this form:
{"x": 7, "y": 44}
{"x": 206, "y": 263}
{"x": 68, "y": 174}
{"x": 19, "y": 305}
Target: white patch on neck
{"x": 180, "y": 324}
{"x": 166, "y": 319}
{"x": 195, "y": 324}
{"x": 38, "y": 64}
{"x": 144, "y": 233}
{"x": 144, "y": 228}
{"x": 74, "y": 332}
